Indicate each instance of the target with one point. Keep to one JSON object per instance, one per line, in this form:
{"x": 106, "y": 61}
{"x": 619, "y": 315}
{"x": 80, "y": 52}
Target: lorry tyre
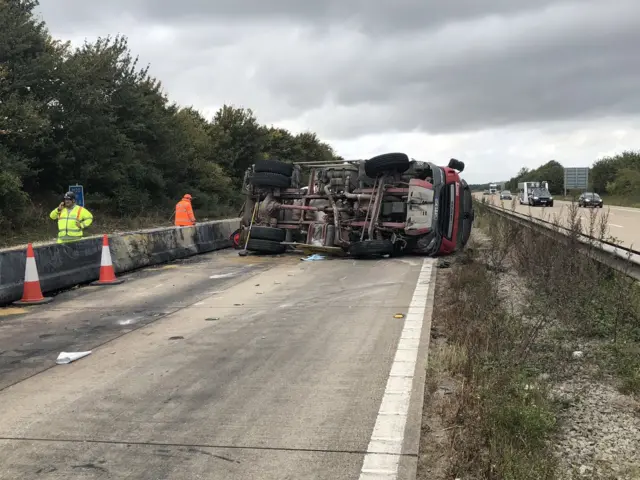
{"x": 265, "y": 246}
{"x": 371, "y": 248}
{"x": 269, "y": 179}
{"x": 267, "y": 233}
{"x": 273, "y": 166}
{"x": 386, "y": 163}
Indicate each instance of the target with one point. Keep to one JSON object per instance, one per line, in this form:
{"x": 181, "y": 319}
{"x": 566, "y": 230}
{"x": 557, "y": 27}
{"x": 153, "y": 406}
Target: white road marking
{"x": 385, "y": 446}
{"x": 223, "y": 275}
{"x": 614, "y": 225}
{"x": 623, "y": 209}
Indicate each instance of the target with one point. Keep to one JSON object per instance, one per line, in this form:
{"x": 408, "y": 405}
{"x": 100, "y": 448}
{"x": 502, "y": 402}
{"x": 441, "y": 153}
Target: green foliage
{"x": 608, "y": 174}
{"x": 552, "y": 172}
{"x": 617, "y": 176}
{"x": 94, "y": 116}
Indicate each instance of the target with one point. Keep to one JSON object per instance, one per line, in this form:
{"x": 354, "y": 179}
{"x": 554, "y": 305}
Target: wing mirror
{"x": 456, "y": 164}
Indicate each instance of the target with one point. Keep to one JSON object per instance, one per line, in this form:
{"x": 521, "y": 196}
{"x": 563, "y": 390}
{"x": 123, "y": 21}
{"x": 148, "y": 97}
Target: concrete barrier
{"x": 64, "y": 266}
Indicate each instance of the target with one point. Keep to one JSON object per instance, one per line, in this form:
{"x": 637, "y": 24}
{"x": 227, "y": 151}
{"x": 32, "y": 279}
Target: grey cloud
{"x": 347, "y": 68}
{"x": 590, "y": 69}
{"x": 373, "y": 16}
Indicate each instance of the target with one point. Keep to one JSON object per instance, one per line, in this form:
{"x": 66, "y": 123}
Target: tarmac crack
{"x": 201, "y": 445}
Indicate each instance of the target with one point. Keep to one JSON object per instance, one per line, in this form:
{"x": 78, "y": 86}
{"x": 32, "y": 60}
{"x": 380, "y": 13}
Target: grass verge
{"x": 521, "y": 315}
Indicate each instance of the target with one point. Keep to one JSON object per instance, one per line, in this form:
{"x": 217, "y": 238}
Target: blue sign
{"x": 79, "y": 191}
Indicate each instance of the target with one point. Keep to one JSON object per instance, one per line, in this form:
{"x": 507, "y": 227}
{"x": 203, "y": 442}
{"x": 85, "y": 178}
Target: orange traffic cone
{"x": 32, "y": 294}
{"x": 107, "y": 273}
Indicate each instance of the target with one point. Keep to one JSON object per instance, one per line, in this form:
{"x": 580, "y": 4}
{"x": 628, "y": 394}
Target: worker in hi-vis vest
{"x": 184, "y": 212}
{"x": 72, "y": 219}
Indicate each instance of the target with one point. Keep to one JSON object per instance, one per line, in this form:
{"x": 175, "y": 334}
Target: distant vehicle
{"x": 540, "y": 196}
{"x": 534, "y": 193}
{"x": 505, "y": 195}
{"x": 486, "y": 192}
{"x": 493, "y": 188}
{"x": 589, "y": 199}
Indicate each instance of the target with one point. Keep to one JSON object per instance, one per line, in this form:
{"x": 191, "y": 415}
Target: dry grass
{"x": 500, "y": 359}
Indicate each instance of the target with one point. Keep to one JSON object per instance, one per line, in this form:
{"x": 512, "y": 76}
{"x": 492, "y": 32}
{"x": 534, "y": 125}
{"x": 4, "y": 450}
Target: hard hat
{"x": 187, "y": 196}
{"x": 70, "y": 196}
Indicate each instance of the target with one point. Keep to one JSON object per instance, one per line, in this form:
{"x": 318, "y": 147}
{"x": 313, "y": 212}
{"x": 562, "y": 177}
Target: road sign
{"x": 79, "y": 191}
{"x": 576, "y": 178}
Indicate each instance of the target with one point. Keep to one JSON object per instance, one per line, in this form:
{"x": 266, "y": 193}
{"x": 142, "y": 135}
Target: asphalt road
{"x": 221, "y": 367}
{"x": 623, "y": 223}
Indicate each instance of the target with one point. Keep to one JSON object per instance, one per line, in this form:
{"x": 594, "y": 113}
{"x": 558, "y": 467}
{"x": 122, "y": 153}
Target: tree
{"x": 93, "y": 115}
{"x": 27, "y": 73}
{"x": 605, "y": 170}
{"x": 626, "y": 183}
{"x": 552, "y": 172}
{"x": 238, "y": 139}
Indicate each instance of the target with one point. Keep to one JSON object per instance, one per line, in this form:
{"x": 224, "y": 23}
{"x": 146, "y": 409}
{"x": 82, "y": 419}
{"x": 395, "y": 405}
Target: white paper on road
{"x": 68, "y": 357}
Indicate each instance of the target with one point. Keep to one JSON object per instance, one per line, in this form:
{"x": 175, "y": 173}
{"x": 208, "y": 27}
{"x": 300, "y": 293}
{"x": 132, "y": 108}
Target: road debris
{"x": 314, "y": 258}
{"x": 68, "y": 357}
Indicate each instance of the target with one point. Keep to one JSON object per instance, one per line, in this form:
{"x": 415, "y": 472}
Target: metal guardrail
{"x": 623, "y": 259}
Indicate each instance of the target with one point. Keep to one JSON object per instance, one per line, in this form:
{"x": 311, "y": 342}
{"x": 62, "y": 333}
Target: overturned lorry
{"x": 386, "y": 205}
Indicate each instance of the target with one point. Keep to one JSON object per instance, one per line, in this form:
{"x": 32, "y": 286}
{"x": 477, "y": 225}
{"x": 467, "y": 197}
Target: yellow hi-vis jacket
{"x": 71, "y": 222}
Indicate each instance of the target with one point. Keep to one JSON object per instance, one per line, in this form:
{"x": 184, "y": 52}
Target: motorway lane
{"x": 623, "y": 223}
{"x": 257, "y": 368}
{"x": 83, "y": 318}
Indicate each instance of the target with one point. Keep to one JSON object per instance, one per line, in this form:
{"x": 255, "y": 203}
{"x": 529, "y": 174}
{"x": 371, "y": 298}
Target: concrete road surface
{"x": 623, "y": 223}
{"x": 222, "y": 367}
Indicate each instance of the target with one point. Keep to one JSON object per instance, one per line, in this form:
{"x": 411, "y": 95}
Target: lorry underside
{"x": 386, "y": 205}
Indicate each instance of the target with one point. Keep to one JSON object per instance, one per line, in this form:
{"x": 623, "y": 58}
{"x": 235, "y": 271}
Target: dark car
{"x": 505, "y": 195}
{"x": 589, "y": 199}
{"x": 540, "y": 196}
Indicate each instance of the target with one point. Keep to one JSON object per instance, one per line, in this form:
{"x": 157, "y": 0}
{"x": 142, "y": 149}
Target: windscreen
{"x": 540, "y": 192}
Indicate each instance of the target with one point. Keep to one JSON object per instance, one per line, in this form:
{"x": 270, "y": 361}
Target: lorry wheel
{"x": 386, "y": 163}
{"x": 269, "y": 179}
{"x": 267, "y": 233}
{"x": 371, "y": 248}
{"x": 273, "y": 166}
{"x": 265, "y": 246}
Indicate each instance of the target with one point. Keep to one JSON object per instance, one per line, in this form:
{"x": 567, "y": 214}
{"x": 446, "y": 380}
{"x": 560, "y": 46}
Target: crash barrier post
{"x": 63, "y": 266}
{"x": 31, "y": 291}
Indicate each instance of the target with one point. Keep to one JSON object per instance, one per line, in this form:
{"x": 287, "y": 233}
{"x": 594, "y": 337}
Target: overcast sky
{"x": 499, "y": 84}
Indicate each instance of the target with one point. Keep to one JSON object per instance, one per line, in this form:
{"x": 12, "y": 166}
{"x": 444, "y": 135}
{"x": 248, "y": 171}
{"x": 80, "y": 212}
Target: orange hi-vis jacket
{"x": 184, "y": 213}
